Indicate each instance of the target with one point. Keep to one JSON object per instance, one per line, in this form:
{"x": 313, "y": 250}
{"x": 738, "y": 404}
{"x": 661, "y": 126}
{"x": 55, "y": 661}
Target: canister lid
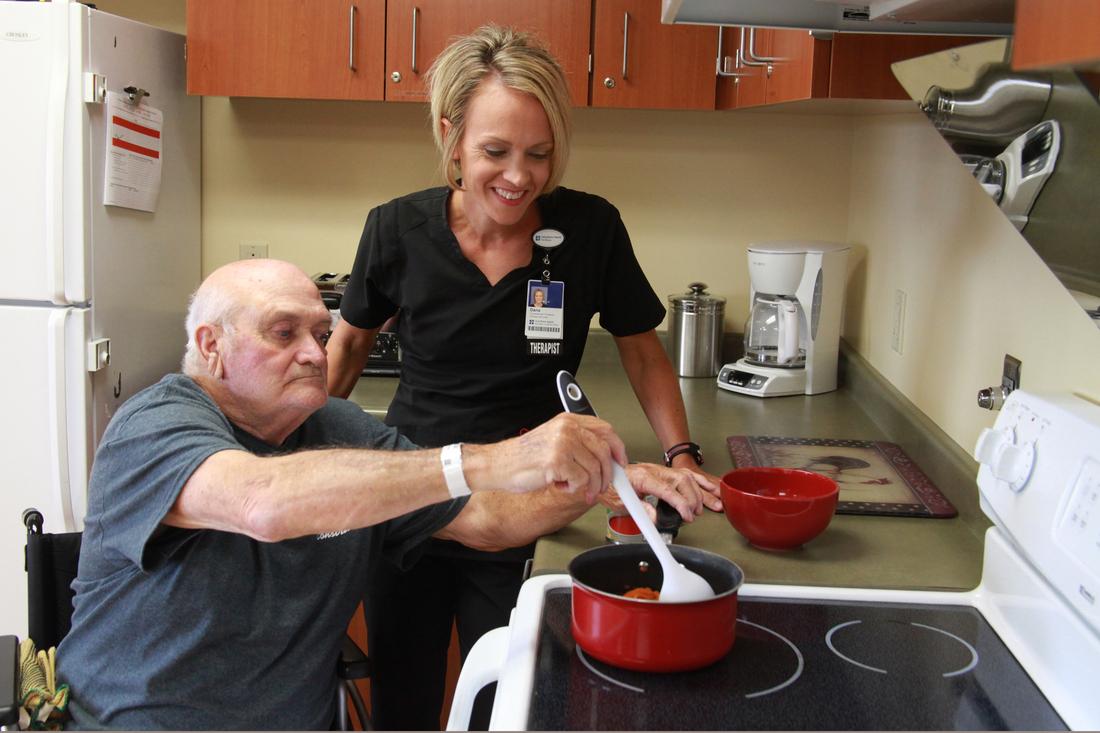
{"x": 697, "y": 300}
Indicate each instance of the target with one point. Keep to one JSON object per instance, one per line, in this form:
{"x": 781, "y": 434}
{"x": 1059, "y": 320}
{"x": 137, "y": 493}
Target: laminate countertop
{"x": 855, "y": 550}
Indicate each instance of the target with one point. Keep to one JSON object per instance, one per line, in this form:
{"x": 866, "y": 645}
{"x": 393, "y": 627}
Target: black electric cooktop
{"x": 802, "y": 665}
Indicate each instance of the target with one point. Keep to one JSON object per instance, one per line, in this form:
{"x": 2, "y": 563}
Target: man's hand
{"x": 687, "y": 491}
{"x": 571, "y": 452}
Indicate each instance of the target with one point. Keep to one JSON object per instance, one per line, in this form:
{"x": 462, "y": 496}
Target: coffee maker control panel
{"x": 762, "y": 381}
{"x": 730, "y": 376}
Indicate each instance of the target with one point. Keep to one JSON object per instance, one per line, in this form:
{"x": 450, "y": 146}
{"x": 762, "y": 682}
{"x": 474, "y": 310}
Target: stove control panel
{"x": 1039, "y": 479}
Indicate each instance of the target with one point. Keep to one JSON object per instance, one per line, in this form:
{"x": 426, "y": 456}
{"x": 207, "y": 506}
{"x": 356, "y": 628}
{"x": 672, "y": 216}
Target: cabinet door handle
{"x": 352, "y": 11}
{"x": 626, "y": 39}
{"x": 752, "y": 50}
{"x": 719, "y": 67}
{"x": 416, "y": 17}
{"x": 742, "y": 60}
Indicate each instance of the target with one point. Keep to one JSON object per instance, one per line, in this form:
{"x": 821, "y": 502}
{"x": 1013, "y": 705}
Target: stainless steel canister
{"x": 695, "y": 331}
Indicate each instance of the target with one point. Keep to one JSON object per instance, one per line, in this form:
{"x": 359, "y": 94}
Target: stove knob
{"x": 1013, "y": 464}
{"x": 989, "y": 442}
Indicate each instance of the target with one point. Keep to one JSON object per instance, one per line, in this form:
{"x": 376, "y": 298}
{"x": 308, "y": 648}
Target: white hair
{"x": 214, "y": 306}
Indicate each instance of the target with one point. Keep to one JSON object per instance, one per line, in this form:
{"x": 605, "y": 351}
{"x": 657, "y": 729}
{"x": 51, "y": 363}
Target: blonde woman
{"x": 460, "y": 265}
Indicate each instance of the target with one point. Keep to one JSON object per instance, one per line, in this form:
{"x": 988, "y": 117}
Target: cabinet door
{"x": 860, "y": 67}
{"x": 638, "y": 62}
{"x": 309, "y": 49}
{"x": 800, "y": 69}
{"x": 750, "y": 88}
{"x": 1053, "y": 33}
{"x": 729, "y": 86}
{"x": 418, "y": 30}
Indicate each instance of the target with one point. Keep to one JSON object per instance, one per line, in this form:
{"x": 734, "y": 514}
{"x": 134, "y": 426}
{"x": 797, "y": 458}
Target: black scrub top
{"x": 466, "y": 374}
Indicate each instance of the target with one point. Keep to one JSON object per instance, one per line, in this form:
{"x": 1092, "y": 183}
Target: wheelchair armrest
{"x": 9, "y": 680}
{"x": 354, "y": 664}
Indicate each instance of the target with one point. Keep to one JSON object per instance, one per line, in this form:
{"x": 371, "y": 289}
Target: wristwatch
{"x": 688, "y": 447}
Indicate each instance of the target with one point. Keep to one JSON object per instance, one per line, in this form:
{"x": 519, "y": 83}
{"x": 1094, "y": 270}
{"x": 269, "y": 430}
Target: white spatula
{"x": 680, "y": 584}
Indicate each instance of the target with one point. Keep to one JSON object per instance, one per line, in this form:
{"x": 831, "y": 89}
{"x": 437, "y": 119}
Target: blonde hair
{"x": 520, "y": 63}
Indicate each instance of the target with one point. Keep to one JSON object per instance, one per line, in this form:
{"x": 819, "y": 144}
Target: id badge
{"x": 545, "y": 316}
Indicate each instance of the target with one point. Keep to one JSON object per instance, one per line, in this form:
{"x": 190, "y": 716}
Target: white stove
{"x": 1020, "y": 651}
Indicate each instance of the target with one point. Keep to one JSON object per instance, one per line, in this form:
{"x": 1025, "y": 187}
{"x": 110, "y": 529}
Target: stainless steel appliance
{"x": 92, "y": 294}
{"x": 792, "y": 336}
{"x": 1020, "y": 651}
{"x": 1002, "y": 110}
{"x": 695, "y": 331}
{"x": 384, "y": 359}
{"x": 1032, "y": 140}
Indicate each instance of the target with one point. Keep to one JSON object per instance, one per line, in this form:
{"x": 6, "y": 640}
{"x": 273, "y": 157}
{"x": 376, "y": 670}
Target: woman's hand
{"x": 687, "y": 491}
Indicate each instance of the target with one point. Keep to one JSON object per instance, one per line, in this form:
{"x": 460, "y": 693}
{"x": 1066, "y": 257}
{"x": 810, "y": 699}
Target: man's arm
{"x": 311, "y": 492}
{"x": 495, "y": 520}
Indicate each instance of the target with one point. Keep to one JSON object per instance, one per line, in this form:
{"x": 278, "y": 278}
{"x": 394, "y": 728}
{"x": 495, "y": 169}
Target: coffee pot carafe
{"x": 792, "y": 336}
{"x": 772, "y": 332}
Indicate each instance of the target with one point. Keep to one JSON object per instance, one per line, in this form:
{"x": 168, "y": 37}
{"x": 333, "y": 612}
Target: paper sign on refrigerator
{"x": 132, "y": 170}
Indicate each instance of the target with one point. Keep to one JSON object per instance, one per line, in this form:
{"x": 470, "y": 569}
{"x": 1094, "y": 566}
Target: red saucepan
{"x": 649, "y": 635}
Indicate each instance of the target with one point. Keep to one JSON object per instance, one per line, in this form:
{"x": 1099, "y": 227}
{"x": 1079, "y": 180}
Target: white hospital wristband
{"x": 451, "y": 457}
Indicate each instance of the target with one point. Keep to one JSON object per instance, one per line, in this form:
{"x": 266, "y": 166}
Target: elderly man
{"x": 235, "y": 512}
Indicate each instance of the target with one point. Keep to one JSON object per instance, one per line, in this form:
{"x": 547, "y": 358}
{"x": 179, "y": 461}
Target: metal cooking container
{"x": 646, "y": 635}
{"x": 695, "y": 331}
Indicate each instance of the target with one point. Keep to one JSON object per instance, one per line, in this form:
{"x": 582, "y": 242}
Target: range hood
{"x": 939, "y": 17}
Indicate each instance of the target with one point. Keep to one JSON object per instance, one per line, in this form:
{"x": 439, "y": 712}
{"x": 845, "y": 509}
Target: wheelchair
{"x": 51, "y": 565}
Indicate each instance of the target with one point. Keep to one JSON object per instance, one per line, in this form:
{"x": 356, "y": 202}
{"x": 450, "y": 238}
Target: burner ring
{"x": 748, "y": 695}
{"x": 798, "y": 654}
{"x": 962, "y": 670}
{"x": 605, "y": 677}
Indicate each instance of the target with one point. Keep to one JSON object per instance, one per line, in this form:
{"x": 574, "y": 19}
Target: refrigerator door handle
{"x": 55, "y": 154}
{"x": 59, "y": 436}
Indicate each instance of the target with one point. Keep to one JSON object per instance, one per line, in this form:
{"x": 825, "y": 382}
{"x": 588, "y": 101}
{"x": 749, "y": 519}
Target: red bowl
{"x": 778, "y": 508}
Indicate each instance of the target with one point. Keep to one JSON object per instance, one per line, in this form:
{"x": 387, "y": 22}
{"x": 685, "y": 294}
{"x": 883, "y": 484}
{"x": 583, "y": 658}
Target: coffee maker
{"x": 792, "y": 336}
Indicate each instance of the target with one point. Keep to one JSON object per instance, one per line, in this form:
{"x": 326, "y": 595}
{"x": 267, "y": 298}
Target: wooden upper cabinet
{"x": 638, "y": 62}
{"x": 749, "y": 87}
{"x": 308, "y": 49}
{"x": 1057, "y": 33}
{"x": 776, "y": 66}
{"x": 418, "y": 30}
{"x": 860, "y": 67}
{"x": 802, "y": 66}
{"x": 800, "y": 69}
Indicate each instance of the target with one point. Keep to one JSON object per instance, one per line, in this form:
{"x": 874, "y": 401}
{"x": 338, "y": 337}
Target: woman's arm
{"x": 656, "y": 387}
{"x": 348, "y": 348}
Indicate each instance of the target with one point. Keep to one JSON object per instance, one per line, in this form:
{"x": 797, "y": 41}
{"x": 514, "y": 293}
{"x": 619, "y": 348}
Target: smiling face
{"x": 504, "y": 155}
{"x": 273, "y": 361}
{"x": 539, "y": 298}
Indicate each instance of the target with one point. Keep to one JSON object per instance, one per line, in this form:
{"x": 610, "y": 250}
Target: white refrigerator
{"x": 92, "y": 296}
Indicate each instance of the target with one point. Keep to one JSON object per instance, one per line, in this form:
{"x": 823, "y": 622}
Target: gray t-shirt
{"x": 197, "y": 629}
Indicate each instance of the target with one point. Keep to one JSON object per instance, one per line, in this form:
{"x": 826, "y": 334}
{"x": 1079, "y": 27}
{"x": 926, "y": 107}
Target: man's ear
{"x": 207, "y": 339}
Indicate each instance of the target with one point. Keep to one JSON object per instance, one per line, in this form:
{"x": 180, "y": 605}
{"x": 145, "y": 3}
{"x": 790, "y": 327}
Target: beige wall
{"x": 694, "y": 189}
{"x": 975, "y": 289}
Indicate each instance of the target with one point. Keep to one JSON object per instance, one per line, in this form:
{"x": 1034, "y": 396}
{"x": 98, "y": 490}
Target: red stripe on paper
{"x": 135, "y": 148}
{"x": 123, "y": 122}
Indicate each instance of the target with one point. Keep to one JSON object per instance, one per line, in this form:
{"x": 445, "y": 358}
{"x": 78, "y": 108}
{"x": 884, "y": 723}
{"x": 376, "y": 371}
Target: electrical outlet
{"x": 897, "y": 341}
{"x": 252, "y": 250}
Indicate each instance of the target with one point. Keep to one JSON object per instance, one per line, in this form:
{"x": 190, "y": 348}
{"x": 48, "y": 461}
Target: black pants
{"x": 409, "y": 617}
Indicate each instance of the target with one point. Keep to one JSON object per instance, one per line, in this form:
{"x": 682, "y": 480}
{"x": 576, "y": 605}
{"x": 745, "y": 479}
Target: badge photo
{"x": 545, "y": 316}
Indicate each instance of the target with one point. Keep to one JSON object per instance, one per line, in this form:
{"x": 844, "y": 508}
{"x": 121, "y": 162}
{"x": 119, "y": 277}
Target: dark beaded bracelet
{"x": 688, "y": 447}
